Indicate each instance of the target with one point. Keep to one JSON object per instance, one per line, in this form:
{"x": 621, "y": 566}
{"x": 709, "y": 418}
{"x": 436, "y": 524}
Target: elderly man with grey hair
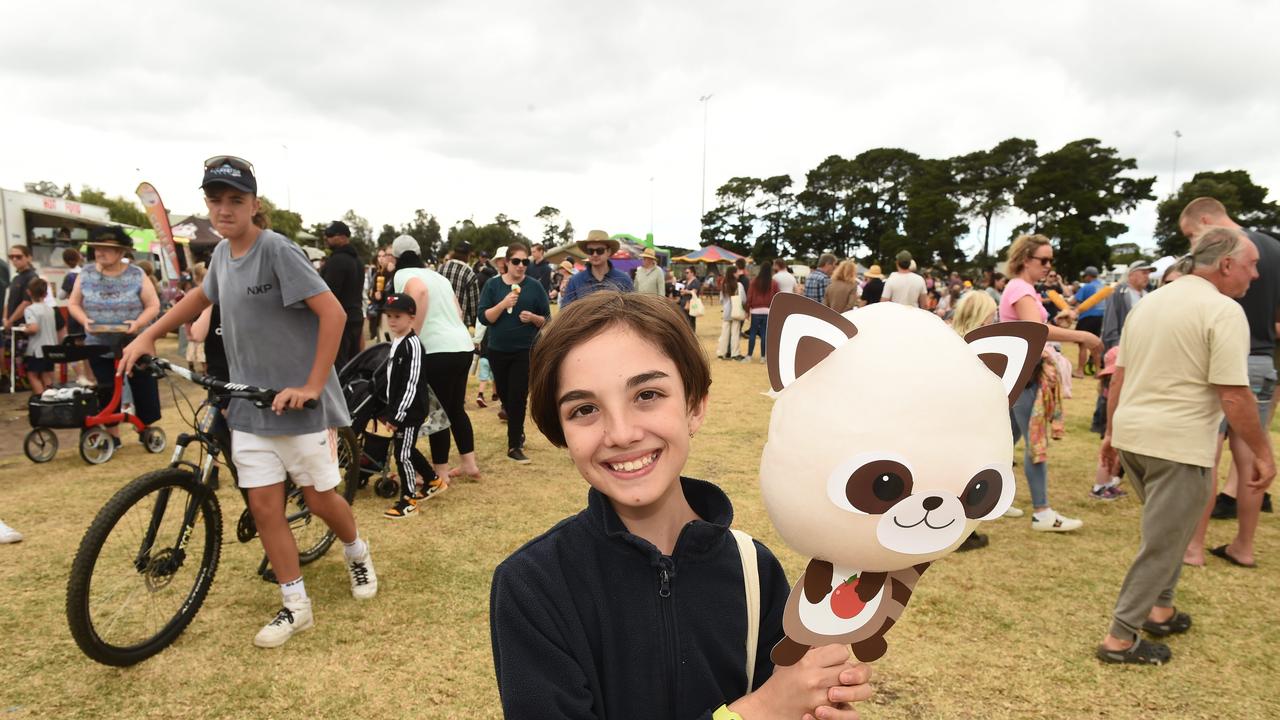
{"x": 1182, "y": 364}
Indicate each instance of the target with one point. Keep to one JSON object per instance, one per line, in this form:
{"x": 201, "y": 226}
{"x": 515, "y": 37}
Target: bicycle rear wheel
{"x": 314, "y": 538}
{"x": 144, "y": 567}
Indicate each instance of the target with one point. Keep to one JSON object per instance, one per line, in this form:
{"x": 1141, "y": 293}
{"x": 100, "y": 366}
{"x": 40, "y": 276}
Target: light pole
{"x": 705, "y": 100}
{"x": 1173, "y": 180}
{"x": 650, "y": 204}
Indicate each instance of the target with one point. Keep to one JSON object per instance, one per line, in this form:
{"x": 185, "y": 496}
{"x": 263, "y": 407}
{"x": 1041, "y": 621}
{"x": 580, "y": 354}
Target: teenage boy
{"x": 407, "y": 407}
{"x": 280, "y": 327}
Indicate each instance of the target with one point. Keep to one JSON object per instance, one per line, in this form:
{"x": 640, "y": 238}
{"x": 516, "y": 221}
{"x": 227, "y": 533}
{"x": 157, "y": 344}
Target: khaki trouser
{"x": 1173, "y": 496}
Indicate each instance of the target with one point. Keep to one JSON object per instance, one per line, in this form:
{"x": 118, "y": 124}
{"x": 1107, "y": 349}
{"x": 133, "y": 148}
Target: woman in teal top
{"x": 448, "y": 350}
{"x": 514, "y": 307}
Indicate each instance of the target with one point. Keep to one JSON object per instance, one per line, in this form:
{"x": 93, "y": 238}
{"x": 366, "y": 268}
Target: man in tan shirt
{"x": 650, "y": 278}
{"x": 1182, "y": 364}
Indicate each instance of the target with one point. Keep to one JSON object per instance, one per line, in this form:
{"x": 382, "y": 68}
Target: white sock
{"x": 1044, "y": 515}
{"x": 293, "y": 587}
{"x": 355, "y": 549}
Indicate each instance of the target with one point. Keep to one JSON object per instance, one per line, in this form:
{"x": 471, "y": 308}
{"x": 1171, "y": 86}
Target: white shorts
{"x": 310, "y": 460}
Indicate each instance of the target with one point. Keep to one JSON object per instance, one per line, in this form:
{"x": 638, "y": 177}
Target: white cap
{"x": 403, "y": 244}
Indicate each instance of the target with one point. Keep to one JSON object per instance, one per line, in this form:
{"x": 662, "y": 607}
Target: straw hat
{"x": 648, "y": 254}
{"x": 875, "y": 273}
{"x": 599, "y": 236}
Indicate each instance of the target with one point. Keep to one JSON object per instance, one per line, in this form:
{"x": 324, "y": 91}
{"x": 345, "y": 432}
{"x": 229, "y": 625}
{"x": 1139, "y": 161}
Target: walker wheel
{"x": 153, "y": 439}
{"x": 40, "y": 445}
{"x": 386, "y": 487}
{"x": 96, "y": 445}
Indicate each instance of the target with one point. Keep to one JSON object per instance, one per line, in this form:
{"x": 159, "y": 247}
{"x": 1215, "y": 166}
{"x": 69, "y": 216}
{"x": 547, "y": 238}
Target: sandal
{"x": 1178, "y": 623}
{"x": 1221, "y": 551}
{"x": 1140, "y": 653}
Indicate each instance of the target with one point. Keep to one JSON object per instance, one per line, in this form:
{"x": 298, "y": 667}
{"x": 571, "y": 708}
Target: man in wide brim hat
{"x": 600, "y": 273}
{"x": 598, "y": 237}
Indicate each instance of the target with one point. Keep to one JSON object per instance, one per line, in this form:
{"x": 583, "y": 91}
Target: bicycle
{"x": 148, "y": 559}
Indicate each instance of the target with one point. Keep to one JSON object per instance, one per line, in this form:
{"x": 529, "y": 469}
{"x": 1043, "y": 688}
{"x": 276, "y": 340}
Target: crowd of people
{"x": 619, "y": 379}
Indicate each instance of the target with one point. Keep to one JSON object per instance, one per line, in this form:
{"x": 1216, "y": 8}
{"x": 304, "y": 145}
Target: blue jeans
{"x": 1037, "y": 473}
{"x": 758, "y": 325}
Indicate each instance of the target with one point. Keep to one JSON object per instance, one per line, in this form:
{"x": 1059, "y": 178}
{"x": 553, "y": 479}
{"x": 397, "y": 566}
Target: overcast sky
{"x": 467, "y": 109}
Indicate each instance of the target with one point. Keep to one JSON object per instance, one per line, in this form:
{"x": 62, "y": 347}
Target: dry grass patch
{"x": 1006, "y": 632}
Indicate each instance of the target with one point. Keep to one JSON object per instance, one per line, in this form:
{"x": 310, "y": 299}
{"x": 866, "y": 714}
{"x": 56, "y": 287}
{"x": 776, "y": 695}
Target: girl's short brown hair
{"x": 653, "y": 318}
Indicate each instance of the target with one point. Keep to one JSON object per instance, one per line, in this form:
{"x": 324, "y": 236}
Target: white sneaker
{"x": 364, "y": 581}
{"x": 1056, "y": 522}
{"x": 8, "y": 534}
{"x": 294, "y": 617}
{"x": 1013, "y": 512}
{"x": 83, "y": 381}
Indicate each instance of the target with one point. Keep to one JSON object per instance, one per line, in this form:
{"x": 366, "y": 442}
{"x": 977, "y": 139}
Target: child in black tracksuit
{"x": 405, "y": 387}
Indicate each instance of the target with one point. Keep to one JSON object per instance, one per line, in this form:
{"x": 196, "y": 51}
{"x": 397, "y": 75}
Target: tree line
{"x": 884, "y": 200}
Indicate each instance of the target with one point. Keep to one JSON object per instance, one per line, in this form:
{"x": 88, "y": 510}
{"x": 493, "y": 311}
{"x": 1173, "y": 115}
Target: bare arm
{"x": 150, "y": 307}
{"x": 200, "y": 327}
{"x": 75, "y": 304}
{"x": 417, "y": 290}
{"x": 145, "y": 344}
{"x": 1242, "y": 415}
{"x": 1027, "y": 308}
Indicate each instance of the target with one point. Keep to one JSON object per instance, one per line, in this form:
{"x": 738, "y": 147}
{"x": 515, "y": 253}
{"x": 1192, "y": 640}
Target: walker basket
{"x": 70, "y": 413}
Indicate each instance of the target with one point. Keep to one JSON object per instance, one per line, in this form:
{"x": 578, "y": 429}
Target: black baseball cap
{"x": 463, "y": 246}
{"x": 400, "y": 303}
{"x": 336, "y": 228}
{"x": 230, "y": 171}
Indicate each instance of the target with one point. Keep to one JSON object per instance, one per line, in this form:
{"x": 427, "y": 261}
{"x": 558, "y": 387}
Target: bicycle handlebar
{"x": 260, "y": 397}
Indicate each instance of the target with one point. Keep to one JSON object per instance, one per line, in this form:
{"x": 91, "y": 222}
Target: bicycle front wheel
{"x": 314, "y": 538}
{"x": 144, "y": 567}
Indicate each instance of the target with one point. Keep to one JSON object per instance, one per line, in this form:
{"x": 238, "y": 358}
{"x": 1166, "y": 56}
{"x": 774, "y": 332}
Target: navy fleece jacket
{"x": 590, "y": 621}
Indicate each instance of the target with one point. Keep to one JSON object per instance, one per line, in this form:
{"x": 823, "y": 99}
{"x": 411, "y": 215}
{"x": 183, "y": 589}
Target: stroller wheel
{"x": 96, "y": 445}
{"x": 41, "y": 445}
{"x": 153, "y": 439}
{"x": 386, "y": 487}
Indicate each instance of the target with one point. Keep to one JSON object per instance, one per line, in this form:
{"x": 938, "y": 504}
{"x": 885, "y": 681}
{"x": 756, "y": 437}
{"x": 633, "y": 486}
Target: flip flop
{"x": 1177, "y": 623}
{"x": 1221, "y": 551}
{"x": 1140, "y": 653}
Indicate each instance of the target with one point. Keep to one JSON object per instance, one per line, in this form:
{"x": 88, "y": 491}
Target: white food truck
{"x": 47, "y": 226}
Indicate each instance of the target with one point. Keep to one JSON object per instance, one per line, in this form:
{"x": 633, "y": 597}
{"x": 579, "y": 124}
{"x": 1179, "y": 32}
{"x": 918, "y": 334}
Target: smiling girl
{"x": 636, "y": 607}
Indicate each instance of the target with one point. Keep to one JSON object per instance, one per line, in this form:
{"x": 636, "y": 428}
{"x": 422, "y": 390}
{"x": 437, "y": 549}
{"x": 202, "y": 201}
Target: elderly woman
{"x": 110, "y": 292}
{"x": 1030, "y": 258}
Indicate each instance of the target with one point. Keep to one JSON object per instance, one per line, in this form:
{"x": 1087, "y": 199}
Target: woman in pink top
{"x": 1030, "y": 258}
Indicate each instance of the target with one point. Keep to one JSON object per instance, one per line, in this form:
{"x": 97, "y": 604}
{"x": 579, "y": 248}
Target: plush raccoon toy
{"x": 888, "y": 444}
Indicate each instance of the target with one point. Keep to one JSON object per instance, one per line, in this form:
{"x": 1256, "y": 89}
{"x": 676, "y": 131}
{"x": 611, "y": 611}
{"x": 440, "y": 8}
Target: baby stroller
{"x": 366, "y": 402}
{"x": 358, "y": 379}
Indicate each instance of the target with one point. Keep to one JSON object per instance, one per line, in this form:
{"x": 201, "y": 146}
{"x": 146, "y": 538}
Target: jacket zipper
{"x": 666, "y": 571}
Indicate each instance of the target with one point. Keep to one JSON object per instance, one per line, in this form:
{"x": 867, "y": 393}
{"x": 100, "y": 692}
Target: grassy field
{"x": 1005, "y": 632}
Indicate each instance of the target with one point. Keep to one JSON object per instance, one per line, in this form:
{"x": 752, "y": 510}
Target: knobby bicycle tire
{"x": 161, "y": 563}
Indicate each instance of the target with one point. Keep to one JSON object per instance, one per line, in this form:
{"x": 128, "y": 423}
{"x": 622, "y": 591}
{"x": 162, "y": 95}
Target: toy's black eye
{"x": 878, "y": 486}
{"x": 982, "y": 493}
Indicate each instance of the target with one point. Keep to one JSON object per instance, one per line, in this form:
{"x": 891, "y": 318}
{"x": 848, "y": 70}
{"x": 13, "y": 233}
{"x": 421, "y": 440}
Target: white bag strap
{"x": 751, "y": 581}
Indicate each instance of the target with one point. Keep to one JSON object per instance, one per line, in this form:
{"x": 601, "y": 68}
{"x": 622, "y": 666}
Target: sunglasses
{"x": 235, "y": 162}
{"x": 1043, "y": 261}
{"x": 518, "y": 261}
{"x": 597, "y": 250}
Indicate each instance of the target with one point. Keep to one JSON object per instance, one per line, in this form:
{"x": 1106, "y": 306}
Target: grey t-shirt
{"x": 269, "y": 332}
